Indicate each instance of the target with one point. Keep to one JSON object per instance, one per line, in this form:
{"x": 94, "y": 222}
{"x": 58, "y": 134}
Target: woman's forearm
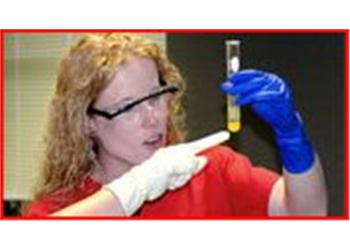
{"x": 101, "y": 203}
{"x": 300, "y": 194}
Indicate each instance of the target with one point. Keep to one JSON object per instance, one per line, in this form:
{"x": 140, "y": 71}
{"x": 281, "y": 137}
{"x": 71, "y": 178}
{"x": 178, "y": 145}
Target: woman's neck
{"x": 109, "y": 168}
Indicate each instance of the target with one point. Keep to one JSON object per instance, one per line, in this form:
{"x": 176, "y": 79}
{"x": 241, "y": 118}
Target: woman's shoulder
{"x": 226, "y": 161}
{"x": 223, "y": 153}
{"x": 49, "y": 203}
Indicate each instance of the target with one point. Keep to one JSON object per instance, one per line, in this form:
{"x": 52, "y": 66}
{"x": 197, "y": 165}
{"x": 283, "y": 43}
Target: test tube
{"x": 232, "y": 62}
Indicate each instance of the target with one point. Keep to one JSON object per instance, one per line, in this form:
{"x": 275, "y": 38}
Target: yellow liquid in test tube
{"x": 232, "y": 62}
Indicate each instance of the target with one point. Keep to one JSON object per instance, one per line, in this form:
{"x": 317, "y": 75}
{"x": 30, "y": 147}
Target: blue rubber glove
{"x": 271, "y": 99}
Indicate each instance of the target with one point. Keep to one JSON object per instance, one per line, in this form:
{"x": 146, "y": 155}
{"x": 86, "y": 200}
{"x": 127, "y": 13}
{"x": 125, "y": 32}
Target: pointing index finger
{"x": 208, "y": 141}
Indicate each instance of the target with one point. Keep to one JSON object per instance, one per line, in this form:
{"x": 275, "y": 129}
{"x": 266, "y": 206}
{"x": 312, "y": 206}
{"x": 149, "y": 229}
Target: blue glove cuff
{"x": 298, "y": 154}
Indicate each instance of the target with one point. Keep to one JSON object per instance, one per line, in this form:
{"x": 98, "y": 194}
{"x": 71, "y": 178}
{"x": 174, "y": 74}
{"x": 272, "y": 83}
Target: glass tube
{"x": 232, "y": 62}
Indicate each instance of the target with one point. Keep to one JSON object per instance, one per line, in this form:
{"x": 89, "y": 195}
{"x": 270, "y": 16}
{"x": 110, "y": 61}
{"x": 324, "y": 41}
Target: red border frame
{"x": 2, "y": 162}
{"x": 346, "y": 148}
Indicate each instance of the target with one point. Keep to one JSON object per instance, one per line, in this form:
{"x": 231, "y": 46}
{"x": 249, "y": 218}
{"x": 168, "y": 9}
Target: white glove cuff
{"x": 128, "y": 191}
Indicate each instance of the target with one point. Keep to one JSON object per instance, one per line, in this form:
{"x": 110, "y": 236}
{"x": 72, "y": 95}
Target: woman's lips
{"x": 154, "y": 142}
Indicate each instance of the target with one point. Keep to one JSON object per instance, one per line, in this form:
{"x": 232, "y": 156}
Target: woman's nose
{"x": 151, "y": 115}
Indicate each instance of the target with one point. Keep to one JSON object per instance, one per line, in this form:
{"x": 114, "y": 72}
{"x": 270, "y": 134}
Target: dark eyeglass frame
{"x": 110, "y": 116}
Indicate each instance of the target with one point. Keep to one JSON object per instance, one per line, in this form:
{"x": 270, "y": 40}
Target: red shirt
{"x": 228, "y": 186}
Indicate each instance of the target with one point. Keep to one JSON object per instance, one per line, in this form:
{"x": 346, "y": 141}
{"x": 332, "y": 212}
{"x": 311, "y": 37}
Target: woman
{"x": 115, "y": 142}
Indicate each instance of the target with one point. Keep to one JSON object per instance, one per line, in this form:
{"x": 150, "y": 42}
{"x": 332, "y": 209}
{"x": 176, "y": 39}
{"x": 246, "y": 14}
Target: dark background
{"x": 314, "y": 66}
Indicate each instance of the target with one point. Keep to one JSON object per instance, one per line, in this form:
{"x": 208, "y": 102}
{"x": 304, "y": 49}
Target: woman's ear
{"x": 89, "y": 126}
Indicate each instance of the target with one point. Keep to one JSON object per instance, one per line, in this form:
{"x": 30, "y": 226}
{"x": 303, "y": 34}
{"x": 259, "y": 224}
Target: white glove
{"x": 169, "y": 168}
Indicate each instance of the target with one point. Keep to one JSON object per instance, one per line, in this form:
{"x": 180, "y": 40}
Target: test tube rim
{"x": 232, "y": 42}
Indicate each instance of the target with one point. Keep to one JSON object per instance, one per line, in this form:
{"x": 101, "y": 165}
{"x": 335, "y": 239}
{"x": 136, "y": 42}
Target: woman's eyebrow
{"x": 129, "y": 99}
{"x": 121, "y": 102}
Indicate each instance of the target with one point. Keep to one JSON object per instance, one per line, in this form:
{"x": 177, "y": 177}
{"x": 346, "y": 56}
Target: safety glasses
{"x": 160, "y": 92}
